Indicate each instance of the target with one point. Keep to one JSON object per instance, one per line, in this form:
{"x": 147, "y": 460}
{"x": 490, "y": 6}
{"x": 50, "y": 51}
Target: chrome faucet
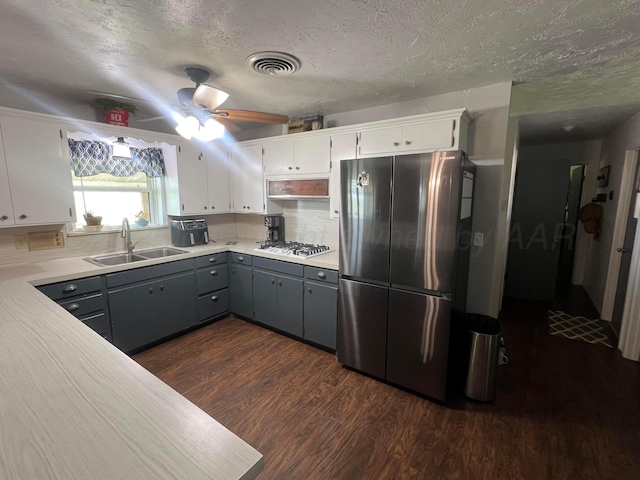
{"x": 126, "y": 234}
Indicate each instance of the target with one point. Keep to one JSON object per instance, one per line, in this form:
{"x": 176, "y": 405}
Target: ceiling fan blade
{"x": 250, "y": 116}
{"x": 228, "y": 125}
{"x": 151, "y": 119}
{"x": 209, "y": 97}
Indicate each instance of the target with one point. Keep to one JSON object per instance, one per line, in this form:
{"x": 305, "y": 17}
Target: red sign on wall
{"x": 117, "y": 116}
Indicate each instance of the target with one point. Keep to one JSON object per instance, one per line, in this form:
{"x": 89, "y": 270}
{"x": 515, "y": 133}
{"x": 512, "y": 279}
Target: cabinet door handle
{"x": 213, "y": 207}
{"x": 297, "y": 168}
{"x": 22, "y": 217}
{"x": 322, "y": 275}
{"x": 214, "y": 272}
{"x": 248, "y": 207}
{"x": 336, "y": 211}
{"x": 233, "y": 272}
{"x": 161, "y": 288}
{"x": 4, "y": 217}
{"x": 212, "y": 260}
{"x": 73, "y": 307}
{"x": 151, "y": 290}
{"x": 70, "y": 288}
{"x": 395, "y": 144}
{"x": 309, "y": 290}
{"x": 407, "y": 142}
{"x": 290, "y": 168}
{"x": 241, "y": 259}
{"x": 280, "y": 283}
{"x": 205, "y": 207}
{"x": 273, "y": 282}
{"x": 214, "y": 298}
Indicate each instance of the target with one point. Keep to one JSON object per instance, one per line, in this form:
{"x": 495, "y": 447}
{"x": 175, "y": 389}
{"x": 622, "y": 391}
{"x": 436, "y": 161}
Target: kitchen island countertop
{"x": 72, "y": 406}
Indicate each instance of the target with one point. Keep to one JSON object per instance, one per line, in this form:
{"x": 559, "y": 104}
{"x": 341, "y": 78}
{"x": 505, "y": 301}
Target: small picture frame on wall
{"x": 603, "y": 176}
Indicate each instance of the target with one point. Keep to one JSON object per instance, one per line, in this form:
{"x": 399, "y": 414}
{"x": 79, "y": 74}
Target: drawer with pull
{"x": 212, "y": 278}
{"x": 72, "y": 288}
{"x": 100, "y": 324}
{"x": 85, "y": 305}
{"x": 214, "y": 259}
{"x": 321, "y": 275}
{"x": 213, "y": 304}
{"x": 240, "y": 258}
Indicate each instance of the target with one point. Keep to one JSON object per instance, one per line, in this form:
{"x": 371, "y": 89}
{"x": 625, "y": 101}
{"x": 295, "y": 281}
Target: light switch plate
{"x": 478, "y": 239}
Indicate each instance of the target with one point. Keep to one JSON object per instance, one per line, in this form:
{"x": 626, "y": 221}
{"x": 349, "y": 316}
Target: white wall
{"x": 625, "y": 137}
{"x": 489, "y": 107}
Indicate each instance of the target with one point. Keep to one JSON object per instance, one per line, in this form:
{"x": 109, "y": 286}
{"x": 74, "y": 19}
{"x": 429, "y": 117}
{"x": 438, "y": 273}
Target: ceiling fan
{"x": 204, "y": 118}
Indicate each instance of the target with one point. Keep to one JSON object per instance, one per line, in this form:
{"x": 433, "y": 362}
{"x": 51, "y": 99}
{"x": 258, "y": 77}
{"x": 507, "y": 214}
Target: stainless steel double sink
{"x": 121, "y": 258}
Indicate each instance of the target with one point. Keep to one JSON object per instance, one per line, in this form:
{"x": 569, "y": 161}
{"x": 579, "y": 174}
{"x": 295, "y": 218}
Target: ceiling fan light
{"x": 188, "y": 127}
{"x": 209, "y": 97}
{"x": 210, "y": 131}
{"x": 121, "y": 148}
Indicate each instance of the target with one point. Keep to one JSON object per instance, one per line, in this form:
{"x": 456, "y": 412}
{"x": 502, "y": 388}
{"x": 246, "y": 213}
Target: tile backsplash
{"x": 305, "y": 221}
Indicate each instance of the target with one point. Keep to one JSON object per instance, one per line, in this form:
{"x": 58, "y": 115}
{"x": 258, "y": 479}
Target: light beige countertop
{"x": 72, "y": 406}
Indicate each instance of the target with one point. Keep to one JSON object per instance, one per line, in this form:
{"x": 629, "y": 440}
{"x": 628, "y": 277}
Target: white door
{"x": 312, "y": 155}
{"x": 343, "y": 147}
{"x": 428, "y": 136}
{"x": 379, "y": 140}
{"x": 192, "y": 179}
{"x": 39, "y": 171}
{"x": 218, "y": 176}
{"x": 6, "y": 208}
{"x": 279, "y": 158}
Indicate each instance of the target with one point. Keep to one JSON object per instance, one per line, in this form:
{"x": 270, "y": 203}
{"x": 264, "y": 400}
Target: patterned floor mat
{"x": 578, "y": 328}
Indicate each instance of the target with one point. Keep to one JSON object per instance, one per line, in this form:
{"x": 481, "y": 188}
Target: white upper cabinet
{"x": 379, "y": 140}
{"x": 420, "y": 133}
{"x": 312, "y": 155}
{"x": 186, "y": 180}
{"x": 246, "y": 179}
{"x": 343, "y": 147}
{"x": 218, "y": 178}
{"x": 279, "y": 157}
{"x": 6, "y": 208}
{"x": 38, "y": 170}
{"x": 197, "y": 180}
{"x": 301, "y": 156}
{"x": 407, "y": 138}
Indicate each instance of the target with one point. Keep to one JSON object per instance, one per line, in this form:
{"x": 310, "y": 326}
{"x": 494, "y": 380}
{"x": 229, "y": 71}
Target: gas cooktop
{"x": 288, "y": 249}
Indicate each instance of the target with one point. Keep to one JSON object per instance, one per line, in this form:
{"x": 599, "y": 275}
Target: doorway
{"x": 542, "y": 239}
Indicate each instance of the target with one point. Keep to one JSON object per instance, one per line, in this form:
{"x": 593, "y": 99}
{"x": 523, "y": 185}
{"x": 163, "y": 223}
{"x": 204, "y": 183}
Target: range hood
{"x": 316, "y": 189}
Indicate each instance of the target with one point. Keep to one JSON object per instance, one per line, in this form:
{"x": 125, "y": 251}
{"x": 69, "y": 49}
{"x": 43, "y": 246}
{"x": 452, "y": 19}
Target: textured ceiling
{"x": 574, "y": 125}
{"x": 354, "y": 54}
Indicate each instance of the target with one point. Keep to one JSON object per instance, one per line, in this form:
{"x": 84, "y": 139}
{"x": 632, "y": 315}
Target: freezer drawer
{"x": 418, "y": 342}
{"x": 362, "y": 326}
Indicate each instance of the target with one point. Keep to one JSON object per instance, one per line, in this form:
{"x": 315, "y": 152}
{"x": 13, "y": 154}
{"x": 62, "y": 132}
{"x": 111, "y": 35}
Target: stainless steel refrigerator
{"x": 405, "y": 236}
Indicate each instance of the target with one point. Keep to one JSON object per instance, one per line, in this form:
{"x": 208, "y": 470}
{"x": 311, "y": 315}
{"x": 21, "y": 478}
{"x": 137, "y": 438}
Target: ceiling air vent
{"x": 273, "y": 63}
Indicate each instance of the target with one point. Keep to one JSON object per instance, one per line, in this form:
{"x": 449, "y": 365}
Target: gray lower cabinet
{"x": 146, "y": 312}
{"x": 320, "y": 313}
{"x": 85, "y": 299}
{"x": 213, "y": 283}
{"x": 278, "y": 297}
{"x": 240, "y": 290}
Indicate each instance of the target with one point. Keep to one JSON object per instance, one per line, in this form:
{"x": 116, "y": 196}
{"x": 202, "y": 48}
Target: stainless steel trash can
{"x": 483, "y": 336}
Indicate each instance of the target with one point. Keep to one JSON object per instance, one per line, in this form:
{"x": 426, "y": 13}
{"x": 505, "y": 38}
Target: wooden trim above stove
{"x": 317, "y": 189}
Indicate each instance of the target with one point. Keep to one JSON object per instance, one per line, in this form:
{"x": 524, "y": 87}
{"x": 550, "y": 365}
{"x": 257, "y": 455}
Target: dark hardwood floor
{"x": 563, "y": 409}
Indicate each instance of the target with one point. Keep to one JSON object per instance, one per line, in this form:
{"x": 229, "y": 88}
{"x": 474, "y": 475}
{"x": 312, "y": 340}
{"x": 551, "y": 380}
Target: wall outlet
{"x": 21, "y": 241}
{"x": 478, "y": 239}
